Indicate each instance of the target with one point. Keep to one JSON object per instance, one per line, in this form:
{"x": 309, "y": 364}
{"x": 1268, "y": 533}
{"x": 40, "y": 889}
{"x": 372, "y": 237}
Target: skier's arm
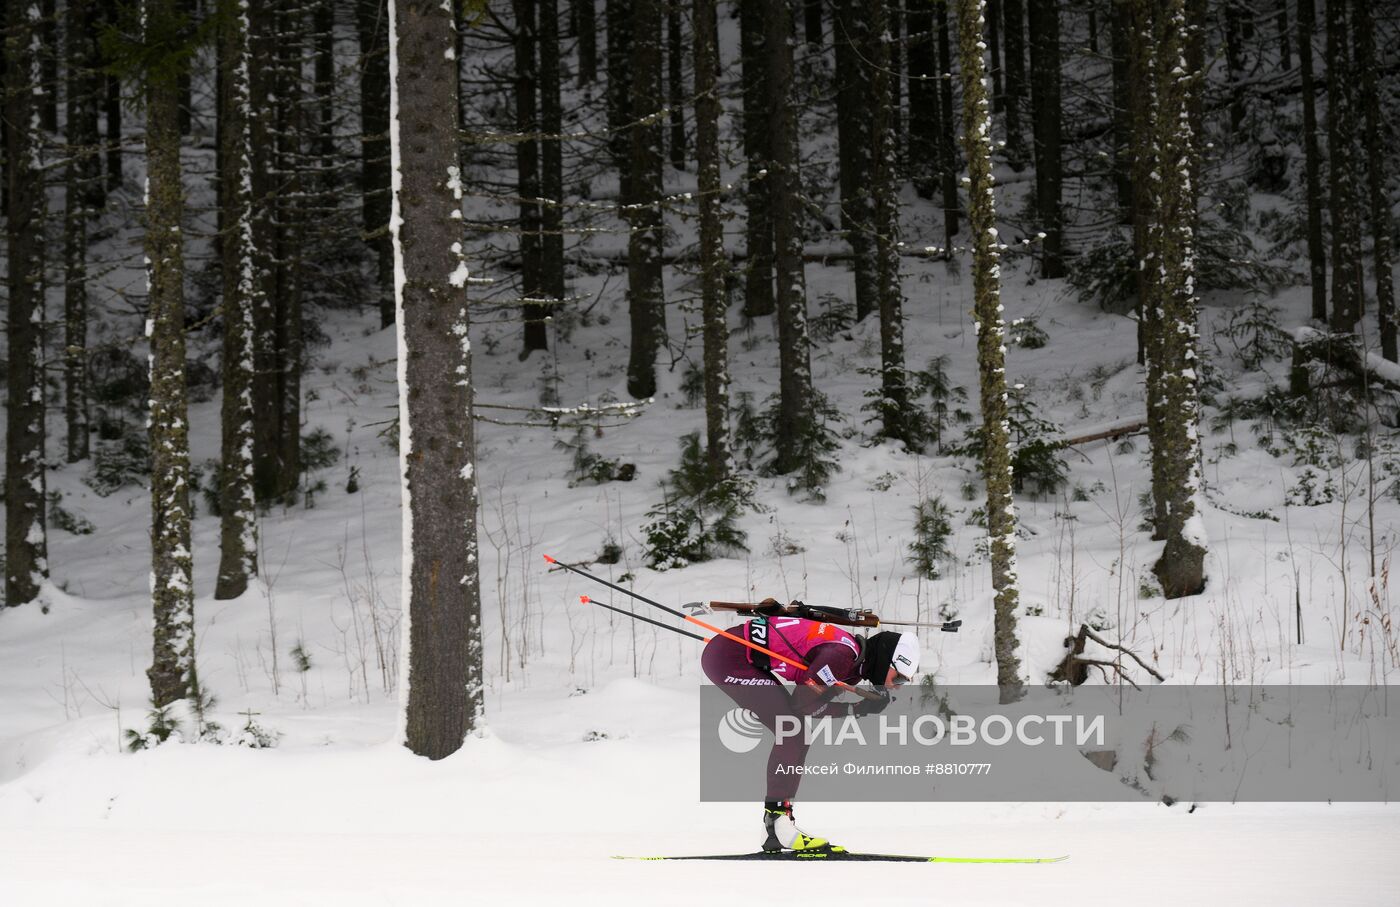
{"x": 826, "y": 665}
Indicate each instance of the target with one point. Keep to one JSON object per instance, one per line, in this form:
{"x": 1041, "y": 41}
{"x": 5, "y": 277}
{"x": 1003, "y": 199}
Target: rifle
{"x": 846, "y": 617}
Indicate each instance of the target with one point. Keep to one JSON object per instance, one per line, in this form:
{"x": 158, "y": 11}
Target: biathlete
{"x": 754, "y": 680}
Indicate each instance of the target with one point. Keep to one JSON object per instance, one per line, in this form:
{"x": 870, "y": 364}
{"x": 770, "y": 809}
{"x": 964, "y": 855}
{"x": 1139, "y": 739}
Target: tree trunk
{"x": 323, "y": 41}
{"x": 853, "y": 46}
{"x": 528, "y": 186}
{"x": 675, "y": 84}
{"x": 924, "y": 133}
{"x": 263, "y": 129}
{"x": 991, "y": 346}
{"x": 82, "y": 177}
{"x": 112, "y": 106}
{"x": 1285, "y": 49}
{"x": 949, "y": 147}
{"x": 238, "y": 543}
{"x": 895, "y": 416}
{"x": 1172, "y": 278}
{"x": 586, "y": 18}
{"x": 795, "y": 409}
{"x": 1317, "y": 249}
{"x": 46, "y": 88}
{"x": 442, "y": 594}
{"x": 1375, "y": 172}
{"x": 994, "y": 44}
{"x": 172, "y": 672}
{"x": 759, "y": 193}
{"x": 812, "y": 22}
{"x": 1343, "y": 204}
{"x": 1234, "y": 61}
{"x": 552, "y": 280}
{"x": 619, "y": 15}
{"x": 1045, "y": 119}
{"x": 373, "y": 26}
{"x": 1120, "y": 24}
{"x": 1014, "y": 51}
{"x": 645, "y": 295}
{"x": 26, "y": 540}
{"x": 713, "y": 264}
{"x": 291, "y": 234}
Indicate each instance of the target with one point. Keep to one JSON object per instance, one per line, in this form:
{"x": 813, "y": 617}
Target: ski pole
{"x": 713, "y": 629}
{"x": 647, "y": 620}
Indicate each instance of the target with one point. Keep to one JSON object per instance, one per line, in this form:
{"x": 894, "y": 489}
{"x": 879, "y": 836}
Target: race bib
{"x": 826, "y": 676}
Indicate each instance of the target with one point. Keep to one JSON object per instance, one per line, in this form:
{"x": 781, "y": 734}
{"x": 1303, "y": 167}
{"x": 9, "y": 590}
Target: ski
{"x": 840, "y": 855}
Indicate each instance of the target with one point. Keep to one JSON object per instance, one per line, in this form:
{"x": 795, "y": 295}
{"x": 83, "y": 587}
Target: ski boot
{"x": 782, "y": 833}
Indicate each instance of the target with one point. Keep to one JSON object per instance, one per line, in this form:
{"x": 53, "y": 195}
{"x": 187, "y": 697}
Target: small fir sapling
{"x": 933, "y": 527}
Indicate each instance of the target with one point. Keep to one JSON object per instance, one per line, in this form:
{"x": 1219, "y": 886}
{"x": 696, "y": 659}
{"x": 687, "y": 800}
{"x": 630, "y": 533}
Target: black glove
{"x": 869, "y": 706}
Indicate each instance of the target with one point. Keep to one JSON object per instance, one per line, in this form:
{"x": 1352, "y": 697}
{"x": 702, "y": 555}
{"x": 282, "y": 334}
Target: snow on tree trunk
{"x": 1171, "y": 276}
{"x": 795, "y": 413}
{"x": 646, "y": 301}
{"x": 26, "y": 542}
{"x": 712, "y": 260}
{"x": 991, "y": 345}
{"x": 442, "y": 653}
{"x": 238, "y": 544}
{"x": 172, "y": 673}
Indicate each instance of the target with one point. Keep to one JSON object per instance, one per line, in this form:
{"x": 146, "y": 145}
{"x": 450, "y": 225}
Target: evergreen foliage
{"x": 698, "y": 518}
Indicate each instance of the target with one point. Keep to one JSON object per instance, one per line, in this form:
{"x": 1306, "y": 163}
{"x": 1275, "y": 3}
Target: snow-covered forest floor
{"x": 592, "y": 743}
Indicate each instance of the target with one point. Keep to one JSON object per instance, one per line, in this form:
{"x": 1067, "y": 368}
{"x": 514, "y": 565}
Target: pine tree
{"x": 853, "y": 45}
{"x": 923, "y": 97}
{"x": 947, "y": 147}
{"x": 527, "y": 168}
{"x": 759, "y": 193}
{"x": 896, "y": 419}
{"x": 795, "y": 409}
{"x": 586, "y": 20}
{"x": 552, "y": 279}
{"x": 1171, "y": 277}
{"x": 1375, "y": 172}
{"x": 82, "y": 196}
{"x": 712, "y": 259}
{"x": 1014, "y": 52}
{"x": 112, "y": 106}
{"x": 646, "y": 301}
{"x": 991, "y": 346}
{"x": 442, "y": 607}
{"x": 26, "y": 541}
{"x": 1343, "y": 198}
{"x": 1044, "y": 21}
{"x": 291, "y": 214}
{"x": 619, "y": 15}
{"x": 172, "y": 673}
{"x": 238, "y": 544}
{"x": 675, "y": 84}
{"x": 372, "y": 26}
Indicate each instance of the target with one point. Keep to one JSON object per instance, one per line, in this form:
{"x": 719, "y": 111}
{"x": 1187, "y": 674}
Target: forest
{"x": 325, "y": 319}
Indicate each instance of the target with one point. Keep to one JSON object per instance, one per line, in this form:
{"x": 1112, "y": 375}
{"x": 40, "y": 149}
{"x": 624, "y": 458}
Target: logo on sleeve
{"x": 826, "y": 676}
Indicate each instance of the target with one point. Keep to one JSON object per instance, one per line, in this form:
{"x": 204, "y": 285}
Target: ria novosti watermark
{"x": 1197, "y": 743}
{"x": 956, "y": 730}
